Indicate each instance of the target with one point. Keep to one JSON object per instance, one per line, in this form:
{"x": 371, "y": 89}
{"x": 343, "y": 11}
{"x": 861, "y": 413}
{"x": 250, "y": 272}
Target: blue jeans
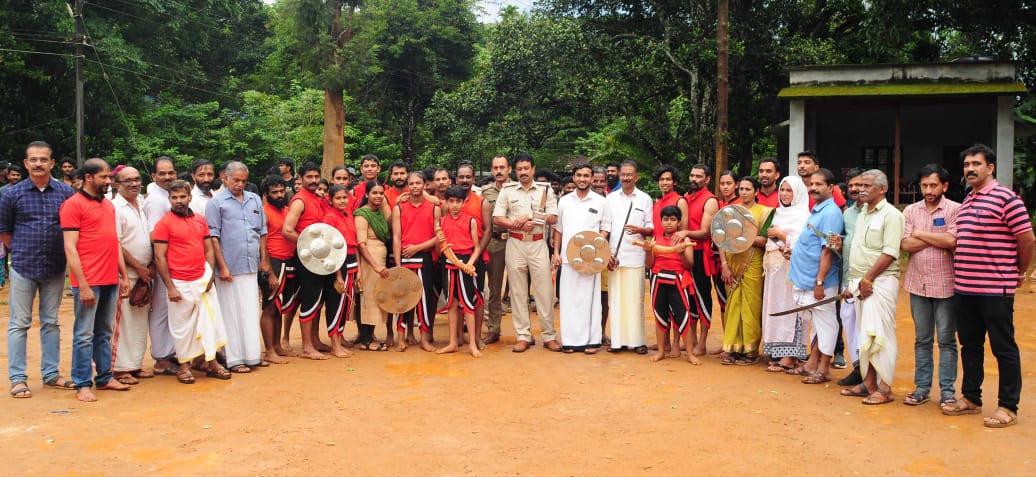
{"x": 934, "y": 317}
{"x": 23, "y": 294}
{"x": 92, "y": 336}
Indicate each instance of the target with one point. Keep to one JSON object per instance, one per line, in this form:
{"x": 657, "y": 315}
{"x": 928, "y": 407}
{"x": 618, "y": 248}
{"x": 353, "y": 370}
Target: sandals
{"x": 591, "y": 350}
{"x": 640, "y": 349}
{"x": 241, "y": 369}
{"x": 185, "y": 376}
{"x": 960, "y": 407}
{"x": 877, "y": 398}
{"x": 219, "y": 372}
{"x": 746, "y": 360}
{"x": 22, "y": 392}
{"x": 778, "y": 368}
{"x": 56, "y": 383}
{"x": 126, "y": 378}
{"x": 799, "y": 371}
{"x": 916, "y": 398}
{"x": 1002, "y": 417}
{"x": 860, "y": 390}
{"x": 373, "y": 346}
{"x": 816, "y": 378}
{"x": 727, "y": 361}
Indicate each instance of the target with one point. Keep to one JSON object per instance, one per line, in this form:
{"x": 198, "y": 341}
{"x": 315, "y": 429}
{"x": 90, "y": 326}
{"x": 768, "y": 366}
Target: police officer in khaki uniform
{"x": 526, "y": 209}
{"x": 497, "y": 247}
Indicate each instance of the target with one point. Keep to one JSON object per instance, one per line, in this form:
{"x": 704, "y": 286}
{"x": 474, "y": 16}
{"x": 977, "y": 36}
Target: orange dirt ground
{"x": 537, "y": 413}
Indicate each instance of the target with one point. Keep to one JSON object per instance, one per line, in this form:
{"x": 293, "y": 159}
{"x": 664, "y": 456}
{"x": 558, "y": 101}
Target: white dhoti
{"x": 824, "y": 331}
{"x": 239, "y": 305}
{"x": 162, "y": 344}
{"x": 130, "y": 341}
{"x": 626, "y": 306}
{"x": 580, "y": 312}
{"x": 876, "y": 321}
{"x": 195, "y": 321}
{"x": 848, "y": 314}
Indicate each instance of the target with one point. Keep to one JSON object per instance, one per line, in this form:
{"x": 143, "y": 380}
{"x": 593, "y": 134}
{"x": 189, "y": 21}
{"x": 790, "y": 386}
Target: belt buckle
{"x": 527, "y": 237}
{"x": 504, "y": 236}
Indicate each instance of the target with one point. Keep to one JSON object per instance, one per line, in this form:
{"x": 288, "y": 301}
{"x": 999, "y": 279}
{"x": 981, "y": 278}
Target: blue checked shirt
{"x": 30, "y": 216}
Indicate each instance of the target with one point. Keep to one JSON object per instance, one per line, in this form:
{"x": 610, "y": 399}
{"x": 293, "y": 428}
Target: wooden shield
{"x": 400, "y": 292}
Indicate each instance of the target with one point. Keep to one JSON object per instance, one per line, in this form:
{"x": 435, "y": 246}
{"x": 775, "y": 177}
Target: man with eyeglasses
{"x": 30, "y": 227}
{"x": 132, "y": 324}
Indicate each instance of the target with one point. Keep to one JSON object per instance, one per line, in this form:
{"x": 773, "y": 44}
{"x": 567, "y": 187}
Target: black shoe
{"x": 852, "y": 379}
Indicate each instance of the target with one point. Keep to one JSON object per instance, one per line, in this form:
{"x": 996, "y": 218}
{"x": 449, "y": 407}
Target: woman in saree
{"x": 372, "y": 235}
{"x": 743, "y": 276}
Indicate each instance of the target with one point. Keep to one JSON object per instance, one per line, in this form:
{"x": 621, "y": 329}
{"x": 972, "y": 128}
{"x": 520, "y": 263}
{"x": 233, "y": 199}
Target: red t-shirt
{"x": 417, "y": 224}
{"x": 344, "y": 223}
{"x": 773, "y": 199}
{"x": 458, "y": 232}
{"x": 278, "y": 246}
{"x": 314, "y": 211}
{"x": 185, "y": 237}
{"x": 672, "y": 198}
{"x": 98, "y": 244}
{"x": 392, "y": 196}
{"x": 473, "y": 207}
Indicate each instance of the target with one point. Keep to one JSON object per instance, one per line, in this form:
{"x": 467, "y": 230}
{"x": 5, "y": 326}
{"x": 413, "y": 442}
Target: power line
{"x": 37, "y": 52}
{"x": 185, "y": 85}
{"x": 16, "y": 131}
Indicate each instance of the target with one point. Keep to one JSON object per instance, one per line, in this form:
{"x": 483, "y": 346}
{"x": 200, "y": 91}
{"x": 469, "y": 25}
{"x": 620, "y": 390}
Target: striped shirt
{"x": 930, "y": 271}
{"x": 986, "y": 258}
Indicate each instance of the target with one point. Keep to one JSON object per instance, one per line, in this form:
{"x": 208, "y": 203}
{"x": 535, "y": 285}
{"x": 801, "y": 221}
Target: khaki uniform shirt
{"x": 490, "y": 194}
{"x": 515, "y": 201}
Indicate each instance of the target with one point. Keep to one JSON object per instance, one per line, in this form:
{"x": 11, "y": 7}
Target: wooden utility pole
{"x": 80, "y": 39}
{"x": 722, "y": 86}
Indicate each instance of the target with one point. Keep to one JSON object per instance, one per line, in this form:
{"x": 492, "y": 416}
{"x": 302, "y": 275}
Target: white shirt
{"x": 616, "y": 206}
{"x": 156, "y": 205}
{"x": 132, "y": 227}
{"x": 578, "y": 215}
{"x": 199, "y": 200}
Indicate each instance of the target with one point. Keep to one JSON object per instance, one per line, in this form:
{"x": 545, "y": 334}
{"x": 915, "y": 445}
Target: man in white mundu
{"x": 627, "y": 217}
{"x": 185, "y": 261}
{"x": 580, "y": 312}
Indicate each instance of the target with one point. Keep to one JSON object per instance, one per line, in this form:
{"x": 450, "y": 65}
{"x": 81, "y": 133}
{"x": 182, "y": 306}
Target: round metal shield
{"x": 321, "y": 249}
{"x": 588, "y": 252}
{"x": 400, "y": 292}
{"x": 733, "y": 229}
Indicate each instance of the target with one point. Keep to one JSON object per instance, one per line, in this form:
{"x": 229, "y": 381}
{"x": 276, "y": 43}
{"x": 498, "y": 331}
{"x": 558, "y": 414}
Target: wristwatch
{"x": 820, "y": 283}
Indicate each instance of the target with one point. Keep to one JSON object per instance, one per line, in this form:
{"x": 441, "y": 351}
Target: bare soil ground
{"x": 537, "y": 413}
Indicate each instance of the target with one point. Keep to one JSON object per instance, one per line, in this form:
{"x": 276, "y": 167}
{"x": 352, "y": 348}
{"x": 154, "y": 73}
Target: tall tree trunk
{"x": 722, "y": 86}
{"x": 334, "y": 131}
{"x": 408, "y": 129}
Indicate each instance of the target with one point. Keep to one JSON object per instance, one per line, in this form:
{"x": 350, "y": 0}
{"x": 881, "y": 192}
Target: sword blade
{"x": 807, "y": 307}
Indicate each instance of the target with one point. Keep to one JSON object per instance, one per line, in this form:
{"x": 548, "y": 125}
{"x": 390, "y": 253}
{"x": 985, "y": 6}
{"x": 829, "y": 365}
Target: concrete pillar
{"x": 1004, "y": 146}
{"x": 796, "y": 132}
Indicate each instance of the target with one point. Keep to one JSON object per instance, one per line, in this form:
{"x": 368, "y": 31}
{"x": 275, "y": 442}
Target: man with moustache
{"x": 497, "y": 249}
{"x": 441, "y": 180}
{"x": 599, "y": 184}
{"x": 701, "y": 206}
{"x": 304, "y": 210}
{"x": 156, "y": 206}
{"x": 186, "y": 263}
{"x": 847, "y": 308}
{"x": 930, "y": 236}
{"x": 203, "y": 174}
{"x": 95, "y": 266}
{"x": 132, "y": 323}
{"x": 769, "y": 179}
{"x": 806, "y": 164}
{"x": 627, "y": 217}
{"x": 525, "y": 209}
{"x": 30, "y": 228}
{"x": 68, "y": 171}
{"x": 398, "y": 173}
{"x": 580, "y": 312}
{"x": 611, "y": 173}
{"x": 814, "y": 276}
{"x": 993, "y": 252}
{"x": 236, "y": 222}
{"x": 280, "y": 287}
{"x": 479, "y": 208}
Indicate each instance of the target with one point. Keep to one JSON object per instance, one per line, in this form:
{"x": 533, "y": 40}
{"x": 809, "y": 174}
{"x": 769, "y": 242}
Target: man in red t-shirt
{"x": 95, "y": 265}
{"x": 479, "y": 208}
{"x": 185, "y": 260}
{"x": 280, "y": 289}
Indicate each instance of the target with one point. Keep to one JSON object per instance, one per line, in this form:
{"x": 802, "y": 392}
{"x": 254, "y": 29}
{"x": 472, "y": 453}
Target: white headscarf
{"x": 791, "y": 219}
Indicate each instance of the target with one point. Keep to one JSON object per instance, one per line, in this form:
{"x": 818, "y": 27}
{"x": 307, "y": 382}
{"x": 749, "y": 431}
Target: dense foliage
{"x": 423, "y": 81}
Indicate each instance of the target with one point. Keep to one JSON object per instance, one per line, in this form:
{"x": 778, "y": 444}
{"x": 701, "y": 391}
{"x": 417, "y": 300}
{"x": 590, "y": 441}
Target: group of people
{"x": 215, "y": 279}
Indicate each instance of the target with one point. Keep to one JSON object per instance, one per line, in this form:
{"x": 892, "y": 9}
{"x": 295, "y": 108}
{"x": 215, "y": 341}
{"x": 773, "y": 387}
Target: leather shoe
{"x": 552, "y": 345}
{"x": 491, "y": 338}
{"x": 852, "y": 379}
{"x": 520, "y": 346}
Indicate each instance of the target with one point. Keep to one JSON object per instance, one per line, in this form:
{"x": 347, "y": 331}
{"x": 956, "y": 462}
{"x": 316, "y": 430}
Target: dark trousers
{"x": 977, "y": 316}
{"x": 702, "y": 290}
